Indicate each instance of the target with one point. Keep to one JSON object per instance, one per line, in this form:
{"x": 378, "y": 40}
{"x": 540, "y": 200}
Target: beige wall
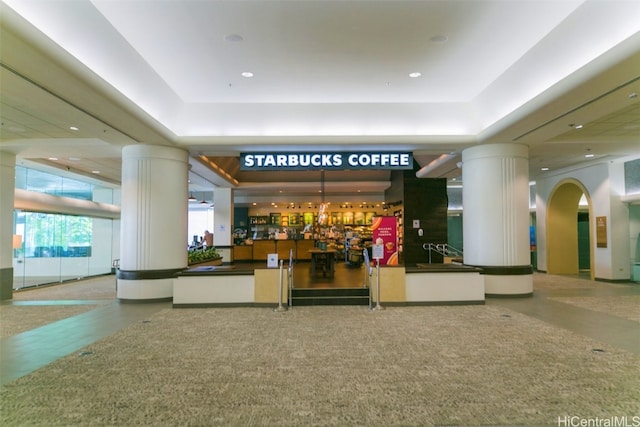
{"x": 267, "y": 282}
{"x": 562, "y": 229}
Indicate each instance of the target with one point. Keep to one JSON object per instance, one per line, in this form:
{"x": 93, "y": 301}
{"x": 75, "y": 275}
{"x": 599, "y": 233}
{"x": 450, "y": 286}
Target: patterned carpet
{"x": 331, "y": 366}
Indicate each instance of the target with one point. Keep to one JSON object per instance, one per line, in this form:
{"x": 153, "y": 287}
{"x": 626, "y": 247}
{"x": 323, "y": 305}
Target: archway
{"x": 562, "y": 229}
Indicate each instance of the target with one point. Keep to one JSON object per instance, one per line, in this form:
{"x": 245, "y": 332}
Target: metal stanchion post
{"x": 290, "y": 270}
{"x": 366, "y": 272}
{"x": 378, "y": 306}
{"x": 280, "y": 307}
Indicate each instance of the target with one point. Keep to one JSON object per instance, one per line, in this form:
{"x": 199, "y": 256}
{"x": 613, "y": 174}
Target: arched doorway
{"x": 563, "y": 249}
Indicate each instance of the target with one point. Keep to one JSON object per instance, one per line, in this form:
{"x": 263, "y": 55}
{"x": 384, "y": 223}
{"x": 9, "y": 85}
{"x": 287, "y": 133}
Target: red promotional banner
{"x": 385, "y": 232}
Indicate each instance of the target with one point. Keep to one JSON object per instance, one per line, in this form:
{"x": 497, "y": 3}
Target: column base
{"x": 146, "y": 286}
{"x": 514, "y": 281}
{"x": 146, "y": 290}
{"x": 508, "y": 286}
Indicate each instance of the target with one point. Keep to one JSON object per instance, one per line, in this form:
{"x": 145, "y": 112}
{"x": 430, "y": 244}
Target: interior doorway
{"x": 569, "y": 228}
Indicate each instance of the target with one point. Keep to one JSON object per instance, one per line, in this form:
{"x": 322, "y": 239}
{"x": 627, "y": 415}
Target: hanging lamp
{"x": 322, "y": 210}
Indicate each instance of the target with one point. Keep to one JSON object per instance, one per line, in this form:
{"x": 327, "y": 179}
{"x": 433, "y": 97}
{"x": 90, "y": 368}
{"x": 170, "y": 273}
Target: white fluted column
{"x": 7, "y": 187}
{"x": 495, "y": 198}
{"x": 153, "y": 243}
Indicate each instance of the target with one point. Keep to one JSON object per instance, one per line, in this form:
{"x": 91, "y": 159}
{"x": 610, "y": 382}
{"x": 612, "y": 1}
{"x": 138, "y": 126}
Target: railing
{"x": 281, "y": 308}
{"x": 442, "y": 249}
{"x": 290, "y": 276}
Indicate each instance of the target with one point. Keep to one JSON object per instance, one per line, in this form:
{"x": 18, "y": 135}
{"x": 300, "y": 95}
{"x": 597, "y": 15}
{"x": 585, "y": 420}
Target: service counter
{"x": 259, "y": 250}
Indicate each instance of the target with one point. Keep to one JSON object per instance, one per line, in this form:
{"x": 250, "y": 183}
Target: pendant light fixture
{"x": 322, "y": 210}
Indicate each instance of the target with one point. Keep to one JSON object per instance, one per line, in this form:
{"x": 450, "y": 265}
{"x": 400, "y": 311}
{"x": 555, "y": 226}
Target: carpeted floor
{"x": 333, "y": 366}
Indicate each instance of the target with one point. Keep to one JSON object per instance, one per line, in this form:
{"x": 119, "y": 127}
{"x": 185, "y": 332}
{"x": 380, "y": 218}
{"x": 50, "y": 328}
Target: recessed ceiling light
{"x": 415, "y": 74}
{"x": 96, "y": 172}
{"x": 247, "y": 74}
{"x": 588, "y": 156}
{"x": 53, "y": 158}
{"x": 579, "y": 126}
{"x": 233, "y": 38}
{"x": 633, "y": 95}
{"x": 439, "y": 39}
{"x": 73, "y": 128}
{"x": 74, "y": 159}
{"x": 544, "y": 169}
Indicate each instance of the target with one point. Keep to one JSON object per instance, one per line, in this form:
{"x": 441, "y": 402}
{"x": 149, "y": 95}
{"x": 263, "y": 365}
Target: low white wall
{"x": 444, "y": 287}
{"x": 213, "y": 289}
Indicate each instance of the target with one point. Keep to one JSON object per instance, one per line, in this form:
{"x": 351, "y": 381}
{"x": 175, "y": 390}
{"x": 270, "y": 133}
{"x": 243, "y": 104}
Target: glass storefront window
{"x": 44, "y": 182}
{"x": 57, "y": 247}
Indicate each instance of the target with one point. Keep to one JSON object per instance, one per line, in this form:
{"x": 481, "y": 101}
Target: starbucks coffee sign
{"x": 327, "y": 161}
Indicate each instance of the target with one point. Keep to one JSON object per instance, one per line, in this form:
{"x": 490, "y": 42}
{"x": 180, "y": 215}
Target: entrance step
{"x": 329, "y": 296}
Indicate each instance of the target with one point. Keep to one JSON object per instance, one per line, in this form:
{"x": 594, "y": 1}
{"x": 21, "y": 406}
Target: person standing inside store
{"x": 208, "y": 239}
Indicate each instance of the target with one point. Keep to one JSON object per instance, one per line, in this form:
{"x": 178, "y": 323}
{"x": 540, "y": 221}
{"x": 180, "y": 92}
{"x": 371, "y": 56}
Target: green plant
{"x": 197, "y": 256}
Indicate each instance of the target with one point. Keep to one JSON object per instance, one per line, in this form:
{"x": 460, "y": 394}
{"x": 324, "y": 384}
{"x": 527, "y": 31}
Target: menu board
{"x": 307, "y": 218}
{"x": 347, "y": 218}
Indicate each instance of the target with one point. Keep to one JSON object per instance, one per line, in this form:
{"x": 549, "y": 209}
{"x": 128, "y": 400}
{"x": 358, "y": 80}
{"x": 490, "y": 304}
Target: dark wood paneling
{"x": 425, "y": 199}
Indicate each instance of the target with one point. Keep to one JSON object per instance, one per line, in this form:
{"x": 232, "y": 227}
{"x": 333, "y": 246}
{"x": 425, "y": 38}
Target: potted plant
{"x": 201, "y": 257}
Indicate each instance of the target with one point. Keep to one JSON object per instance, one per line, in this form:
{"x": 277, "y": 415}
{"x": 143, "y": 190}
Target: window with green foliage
{"x": 54, "y": 235}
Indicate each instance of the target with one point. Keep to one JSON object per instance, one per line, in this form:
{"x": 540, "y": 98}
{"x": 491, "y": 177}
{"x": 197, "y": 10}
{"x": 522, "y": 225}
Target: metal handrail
{"x": 442, "y": 249}
{"x": 290, "y": 276}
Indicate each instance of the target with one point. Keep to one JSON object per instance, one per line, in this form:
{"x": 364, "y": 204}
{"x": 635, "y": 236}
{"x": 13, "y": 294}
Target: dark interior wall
{"x": 454, "y": 231}
{"x": 395, "y": 192}
{"x": 240, "y": 217}
{"x": 584, "y": 245}
{"x": 425, "y": 200}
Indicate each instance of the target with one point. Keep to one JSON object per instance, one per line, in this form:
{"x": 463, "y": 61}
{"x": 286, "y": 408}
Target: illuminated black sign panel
{"x": 326, "y": 161}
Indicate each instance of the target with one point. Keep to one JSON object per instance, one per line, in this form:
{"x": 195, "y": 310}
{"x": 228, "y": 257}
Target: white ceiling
{"x": 332, "y": 75}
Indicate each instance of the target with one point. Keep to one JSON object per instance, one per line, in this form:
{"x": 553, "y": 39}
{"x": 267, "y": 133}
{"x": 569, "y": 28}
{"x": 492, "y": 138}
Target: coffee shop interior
{"x": 326, "y": 233}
